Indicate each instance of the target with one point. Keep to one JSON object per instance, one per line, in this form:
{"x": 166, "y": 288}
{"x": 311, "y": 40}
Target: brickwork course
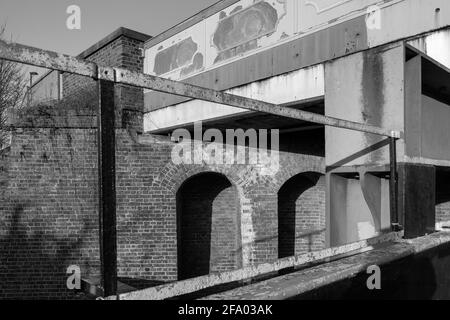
{"x": 122, "y": 49}
{"x": 173, "y": 221}
{"x": 49, "y": 210}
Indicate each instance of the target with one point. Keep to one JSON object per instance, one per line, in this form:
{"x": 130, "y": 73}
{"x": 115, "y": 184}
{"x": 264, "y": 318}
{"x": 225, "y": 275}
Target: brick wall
{"x": 48, "y": 217}
{"x": 443, "y": 212}
{"x": 208, "y": 226}
{"x": 301, "y": 215}
{"x": 49, "y": 214}
{"x": 48, "y": 199}
{"x": 122, "y": 52}
{"x": 442, "y": 195}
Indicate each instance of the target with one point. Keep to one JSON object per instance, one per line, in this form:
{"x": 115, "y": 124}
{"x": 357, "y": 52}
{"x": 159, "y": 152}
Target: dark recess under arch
{"x": 208, "y": 226}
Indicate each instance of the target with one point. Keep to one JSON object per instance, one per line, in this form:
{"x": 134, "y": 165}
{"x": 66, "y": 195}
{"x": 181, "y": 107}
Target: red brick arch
{"x": 208, "y": 225}
{"x": 301, "y": 214}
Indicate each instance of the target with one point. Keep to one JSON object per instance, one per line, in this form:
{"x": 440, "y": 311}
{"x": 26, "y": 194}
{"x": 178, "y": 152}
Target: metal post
{"x": 107, "y": 186}
{"x": 30, "y": 91}
{"x": 393, "y": 185}
{"x": 59, "y": 85}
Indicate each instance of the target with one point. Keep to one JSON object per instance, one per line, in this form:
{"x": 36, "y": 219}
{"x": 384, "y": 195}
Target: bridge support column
{"x": 417, "y": 199}
{"x": 107, "y": 186}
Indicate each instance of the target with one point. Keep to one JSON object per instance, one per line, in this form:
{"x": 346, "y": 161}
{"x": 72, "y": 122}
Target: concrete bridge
{"x": 353, "y": 62}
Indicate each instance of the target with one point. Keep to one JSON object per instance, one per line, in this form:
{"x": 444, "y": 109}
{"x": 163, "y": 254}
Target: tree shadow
{"x": 33, "y": 266}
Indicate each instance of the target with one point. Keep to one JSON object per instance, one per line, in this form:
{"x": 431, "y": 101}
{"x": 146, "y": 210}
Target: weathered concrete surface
{"x": 303, "y": 283}
{"x": 367, "y": 88}
{"x": 199, "y": 283}
{"x": 136, "y": 79}
{"x": 436, "y": 45}
{"x": 426, "y": 110}
{"x": 353, "y": 216}
{"x": 364, "y": 87}
{"x": 320, "y": 34}
{"x": 295, "y": 86}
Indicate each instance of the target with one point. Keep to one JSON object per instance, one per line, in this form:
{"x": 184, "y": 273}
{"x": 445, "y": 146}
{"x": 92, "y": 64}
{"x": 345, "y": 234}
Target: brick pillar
{"x": 131, "y": 99}
{"x": 122, "y": 49}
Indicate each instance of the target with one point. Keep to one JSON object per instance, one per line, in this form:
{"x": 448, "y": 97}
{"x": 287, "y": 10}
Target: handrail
{"x": 56, "y": 61}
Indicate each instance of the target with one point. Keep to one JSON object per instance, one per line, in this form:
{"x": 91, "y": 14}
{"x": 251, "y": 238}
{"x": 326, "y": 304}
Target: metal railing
{"x": 107, "y": 77}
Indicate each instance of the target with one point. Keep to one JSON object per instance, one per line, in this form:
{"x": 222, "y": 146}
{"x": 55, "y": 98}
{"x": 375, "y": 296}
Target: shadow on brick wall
{"x": 33, "y": 266}
{"x": 299, "y": 215}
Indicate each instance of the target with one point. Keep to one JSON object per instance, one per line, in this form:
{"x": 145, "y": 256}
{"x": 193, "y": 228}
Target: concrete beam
{"x": 291, "y": 89}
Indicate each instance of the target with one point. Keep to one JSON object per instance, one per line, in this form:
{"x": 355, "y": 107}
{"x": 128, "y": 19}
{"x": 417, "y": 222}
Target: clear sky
{"x": 42, "y": 23}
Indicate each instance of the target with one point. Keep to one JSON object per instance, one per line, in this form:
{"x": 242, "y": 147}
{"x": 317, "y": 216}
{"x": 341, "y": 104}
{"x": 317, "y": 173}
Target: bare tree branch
{"x": 12, "y": 89}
